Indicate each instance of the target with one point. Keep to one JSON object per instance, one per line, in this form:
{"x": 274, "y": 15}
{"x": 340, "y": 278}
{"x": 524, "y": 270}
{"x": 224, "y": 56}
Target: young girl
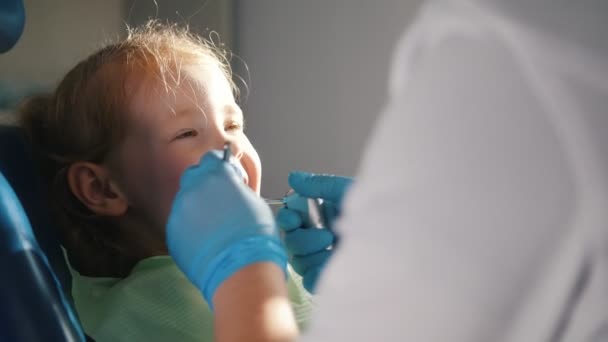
{"x": 114, "y": 138}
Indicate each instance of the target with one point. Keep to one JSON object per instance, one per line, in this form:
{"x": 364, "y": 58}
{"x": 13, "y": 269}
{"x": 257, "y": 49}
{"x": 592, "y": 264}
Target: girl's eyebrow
{"x": 184, "y": 111}
{"x": 174, "y": 120}
{"x": 180, "y": 114}
{"x": 233, "y": 110}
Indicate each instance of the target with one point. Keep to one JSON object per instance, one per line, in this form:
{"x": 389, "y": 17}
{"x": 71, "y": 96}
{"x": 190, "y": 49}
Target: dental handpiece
{"x": 310, "y": 209}
{"x": 227, "y": 152}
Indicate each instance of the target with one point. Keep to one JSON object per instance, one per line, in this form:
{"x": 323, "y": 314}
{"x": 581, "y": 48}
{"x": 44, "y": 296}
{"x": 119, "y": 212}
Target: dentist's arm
{"x": 224, "y": 238}
{"x": 252, "y": 305}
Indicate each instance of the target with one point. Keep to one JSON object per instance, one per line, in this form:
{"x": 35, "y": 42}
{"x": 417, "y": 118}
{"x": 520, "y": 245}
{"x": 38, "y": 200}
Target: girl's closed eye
{"x": 188, "y": 133}
{"x": 233, "y": 125}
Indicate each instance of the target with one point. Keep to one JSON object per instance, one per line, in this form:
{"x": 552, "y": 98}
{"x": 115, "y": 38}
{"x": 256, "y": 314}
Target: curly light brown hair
{"x": 84, "y": 119}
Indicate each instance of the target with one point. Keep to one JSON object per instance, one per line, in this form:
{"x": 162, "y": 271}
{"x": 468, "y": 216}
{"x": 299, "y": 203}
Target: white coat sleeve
{"x": 463, "y": 207}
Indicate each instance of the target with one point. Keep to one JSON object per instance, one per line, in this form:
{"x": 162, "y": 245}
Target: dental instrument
{"x": 311, "y": 209}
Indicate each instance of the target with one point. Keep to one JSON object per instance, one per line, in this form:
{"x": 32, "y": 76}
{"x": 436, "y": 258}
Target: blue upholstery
{"x": 33, "y": 304}
{"x": 12, "y": 21}
{"x": 34, "y": 295}
{"x": 17, "y": 165}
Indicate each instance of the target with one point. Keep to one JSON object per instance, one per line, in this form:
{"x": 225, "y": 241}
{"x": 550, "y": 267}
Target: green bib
{"x": 156, "y": 302}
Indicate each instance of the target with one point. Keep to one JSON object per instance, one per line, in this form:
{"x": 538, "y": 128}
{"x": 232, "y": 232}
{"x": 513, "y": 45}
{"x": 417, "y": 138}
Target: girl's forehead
{"x": 195, "y": 88}
{"x": 207, "y": 76}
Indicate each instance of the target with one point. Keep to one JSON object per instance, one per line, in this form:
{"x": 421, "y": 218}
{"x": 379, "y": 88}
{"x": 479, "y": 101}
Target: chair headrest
{"x": 12, "y": 21}
{"x": 33, "y": 306}
{"x": 17, "y": 165}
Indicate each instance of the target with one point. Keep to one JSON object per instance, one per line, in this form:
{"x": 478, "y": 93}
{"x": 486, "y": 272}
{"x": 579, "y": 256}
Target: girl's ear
{"x": 92, "y": 185}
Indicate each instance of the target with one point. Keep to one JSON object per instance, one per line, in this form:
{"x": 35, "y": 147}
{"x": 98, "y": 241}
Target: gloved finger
{"x": 308, "y": 241}
{"x": 288, "y": 219}
{"x": 304, "y": 263}
{"x": 210, "y": 162}
{"x": 331, "y": 212}
{"x": 312, "y": 185}
{"x": 310, "y": 279}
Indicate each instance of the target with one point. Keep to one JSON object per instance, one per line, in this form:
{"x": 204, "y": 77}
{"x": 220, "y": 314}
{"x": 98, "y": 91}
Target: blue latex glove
{"x": 218, "y": 225}
{"x": 308, "y": 247}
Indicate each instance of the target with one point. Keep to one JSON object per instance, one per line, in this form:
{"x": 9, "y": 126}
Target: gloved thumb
{"x": 328, "y": 187}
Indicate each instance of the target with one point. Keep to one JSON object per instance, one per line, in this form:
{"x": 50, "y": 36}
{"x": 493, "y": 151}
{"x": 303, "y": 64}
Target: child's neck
{"x": 133, "y": 242}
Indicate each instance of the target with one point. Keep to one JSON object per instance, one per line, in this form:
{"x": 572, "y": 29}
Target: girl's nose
{"x": 236, "y": 148}
{"x": 234, "y": 156}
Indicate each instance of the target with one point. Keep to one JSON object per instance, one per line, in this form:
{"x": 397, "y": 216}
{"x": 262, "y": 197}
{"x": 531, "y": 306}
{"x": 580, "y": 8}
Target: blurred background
{"x": 316, "y": 70}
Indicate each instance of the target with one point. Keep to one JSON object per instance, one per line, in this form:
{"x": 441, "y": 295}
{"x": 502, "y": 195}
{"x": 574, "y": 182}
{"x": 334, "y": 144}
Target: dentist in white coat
{"x": 480, "y": 210}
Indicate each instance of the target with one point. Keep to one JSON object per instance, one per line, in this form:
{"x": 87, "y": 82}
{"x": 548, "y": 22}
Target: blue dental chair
{"x": 34, "y": 278}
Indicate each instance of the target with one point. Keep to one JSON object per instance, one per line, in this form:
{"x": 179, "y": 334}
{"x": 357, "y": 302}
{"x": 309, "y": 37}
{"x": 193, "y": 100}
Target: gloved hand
{"x": 218, "y": 225}
{"x": 308, "y": 247}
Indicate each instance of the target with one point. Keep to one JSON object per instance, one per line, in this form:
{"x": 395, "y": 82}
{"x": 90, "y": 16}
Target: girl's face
{"x": 170, "y": 130}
